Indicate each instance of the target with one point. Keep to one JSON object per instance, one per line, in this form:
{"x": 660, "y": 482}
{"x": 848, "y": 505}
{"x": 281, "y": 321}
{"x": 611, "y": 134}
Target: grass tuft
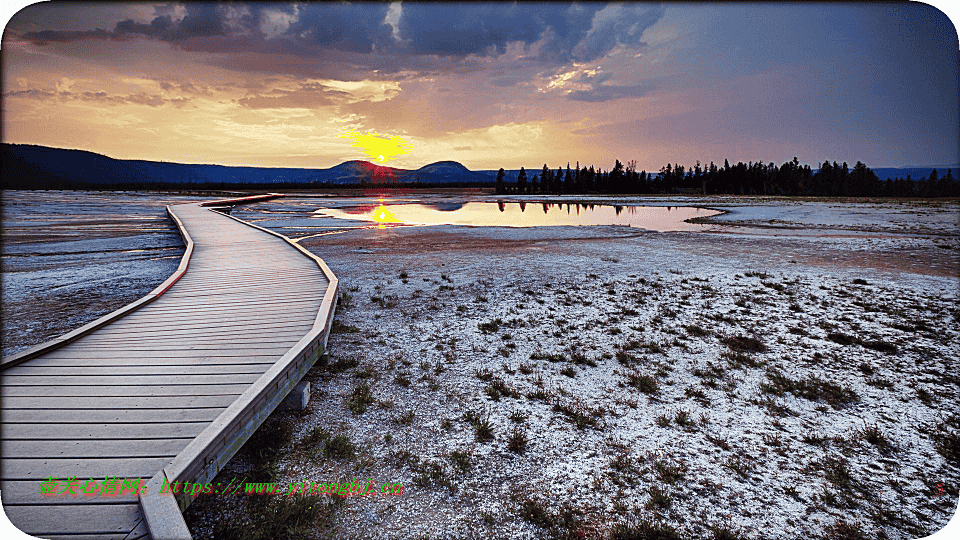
{"x": 741, "y": 343}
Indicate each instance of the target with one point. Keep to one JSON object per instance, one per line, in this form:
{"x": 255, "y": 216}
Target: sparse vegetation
{"x": 812, "y": 388}
{"x": 360, "y": 398}
{"x": 339, "y": 447}
{"x": 741, "y": 343}
{"x": 517, "y": 441}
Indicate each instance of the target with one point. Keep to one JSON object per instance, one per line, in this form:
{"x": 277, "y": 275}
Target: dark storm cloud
{"x": 581, "y": 32}
{"x": 343, "y": 27}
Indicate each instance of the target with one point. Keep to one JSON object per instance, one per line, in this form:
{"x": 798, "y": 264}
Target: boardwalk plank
{"x": 107, "y": 416}
{"x": 69, "y": 352}
{"x": 92, "y": 519}
{"x": 91, "y": 449}
{"x": 58, "y": 432}
{"x": 140, "y": 361}
{"x": 42, "y": 468}
{"x": 110, "y": 391}
{"x": 47, "y": 371}
{"x": 132, "y": 380}
{"x": 27, "y": 492}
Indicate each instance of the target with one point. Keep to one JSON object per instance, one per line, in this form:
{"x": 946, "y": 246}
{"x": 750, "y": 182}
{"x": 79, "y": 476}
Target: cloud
{"x": 140, "y": 98}
{"x": 614, "y": 25}
{"x": 557, "y": 33}
{"x": 307, "y": 96}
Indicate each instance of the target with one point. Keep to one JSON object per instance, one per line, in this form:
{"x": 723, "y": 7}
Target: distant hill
{"x": 31, "y": 166}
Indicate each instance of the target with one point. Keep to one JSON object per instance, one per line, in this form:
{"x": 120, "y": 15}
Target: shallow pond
{"x": 523, "y": 214}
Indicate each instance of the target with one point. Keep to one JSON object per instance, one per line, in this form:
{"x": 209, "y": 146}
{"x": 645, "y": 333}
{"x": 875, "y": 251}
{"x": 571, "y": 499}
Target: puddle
{"x": 525, "y": 214}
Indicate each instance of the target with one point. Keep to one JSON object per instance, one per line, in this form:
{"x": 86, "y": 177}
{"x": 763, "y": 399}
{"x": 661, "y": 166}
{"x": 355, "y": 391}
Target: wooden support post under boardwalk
{"x": 190, "y": 395}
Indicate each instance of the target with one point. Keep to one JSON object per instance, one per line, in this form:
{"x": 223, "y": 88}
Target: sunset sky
{"x": 489, "y": 85}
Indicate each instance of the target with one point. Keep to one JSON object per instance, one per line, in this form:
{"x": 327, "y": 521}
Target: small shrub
{"x": 461, "y": 460}
{"x": 659, "y": 499}
{"x": 696, "y": 331}
{"x": 874, "y": 436}
{"x": 518, "y": 417}
{"x": 340, "y": 447}
{"x": 946, "y": 439}
{"x": 742, "y": 465}
{"x": 483, "y": 428}
{"x": 682, "y": 418}
{"x": 339, "y": 328}
{"x": 579, "y": 415}
{"x": 841, "y": 530}
{"x": 643, "y": 383}
{"x": 569, "y": 372}
{"x": 881, "y": 346}
{"x": 490, "y": 327}
{"x": 360, "y": 398}
{"x": 316, "y": 437}
{"x": 668, "y": 472}
{"x": 645, "y": 530}
{"x": 406, "y": 418}
{"x": 343, "y": 363}
{"x": 837, "y": 472}
{"x": 842, "y": 339}
{"x": 517, "y": 441}
{"x": 742, "y": 343}
{"x": 721, "y": 442}
{"x": 697, "y": 394}
{"x": 738, "y": 359}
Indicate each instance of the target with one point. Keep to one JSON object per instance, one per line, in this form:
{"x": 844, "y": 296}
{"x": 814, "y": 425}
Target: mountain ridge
{"x": 36, "y": 166}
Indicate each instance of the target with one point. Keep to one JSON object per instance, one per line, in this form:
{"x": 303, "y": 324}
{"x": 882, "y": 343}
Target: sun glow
{"x": 377, "y": 146}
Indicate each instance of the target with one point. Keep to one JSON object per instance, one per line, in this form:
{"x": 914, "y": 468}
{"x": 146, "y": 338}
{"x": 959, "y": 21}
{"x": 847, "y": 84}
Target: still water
{"x": 524, "y": 214}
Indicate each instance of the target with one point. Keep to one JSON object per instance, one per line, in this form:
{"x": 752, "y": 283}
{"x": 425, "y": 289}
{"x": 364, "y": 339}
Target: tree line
{"x": 791, "y": 178}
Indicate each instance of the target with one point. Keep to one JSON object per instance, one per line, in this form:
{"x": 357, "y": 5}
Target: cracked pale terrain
{"x": 791, "y": 369}
{"x": 605, "y": 347}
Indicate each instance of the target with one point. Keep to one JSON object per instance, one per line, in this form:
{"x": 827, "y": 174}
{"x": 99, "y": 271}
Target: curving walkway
{"x": 164, "y": 389}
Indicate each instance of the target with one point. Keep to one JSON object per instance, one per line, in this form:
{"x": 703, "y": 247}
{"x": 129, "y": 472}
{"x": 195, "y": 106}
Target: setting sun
{"x": 378, "y": 146}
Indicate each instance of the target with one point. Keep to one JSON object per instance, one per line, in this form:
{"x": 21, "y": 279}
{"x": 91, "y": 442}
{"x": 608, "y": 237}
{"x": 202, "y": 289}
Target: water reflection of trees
{"x": 547, "y": 206}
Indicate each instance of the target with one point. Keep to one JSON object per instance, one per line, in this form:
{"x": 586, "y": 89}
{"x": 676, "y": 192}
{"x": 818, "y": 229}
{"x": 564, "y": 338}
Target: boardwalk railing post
{"x": 161, "y": 512}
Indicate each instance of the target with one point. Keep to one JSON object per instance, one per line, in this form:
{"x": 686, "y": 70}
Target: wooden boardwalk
{"x": 165, "y": 389}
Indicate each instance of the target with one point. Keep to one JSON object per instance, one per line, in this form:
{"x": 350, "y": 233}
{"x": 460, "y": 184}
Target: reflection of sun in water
{"x": 381, "y": 215}
{"x": 381, "y": 157}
